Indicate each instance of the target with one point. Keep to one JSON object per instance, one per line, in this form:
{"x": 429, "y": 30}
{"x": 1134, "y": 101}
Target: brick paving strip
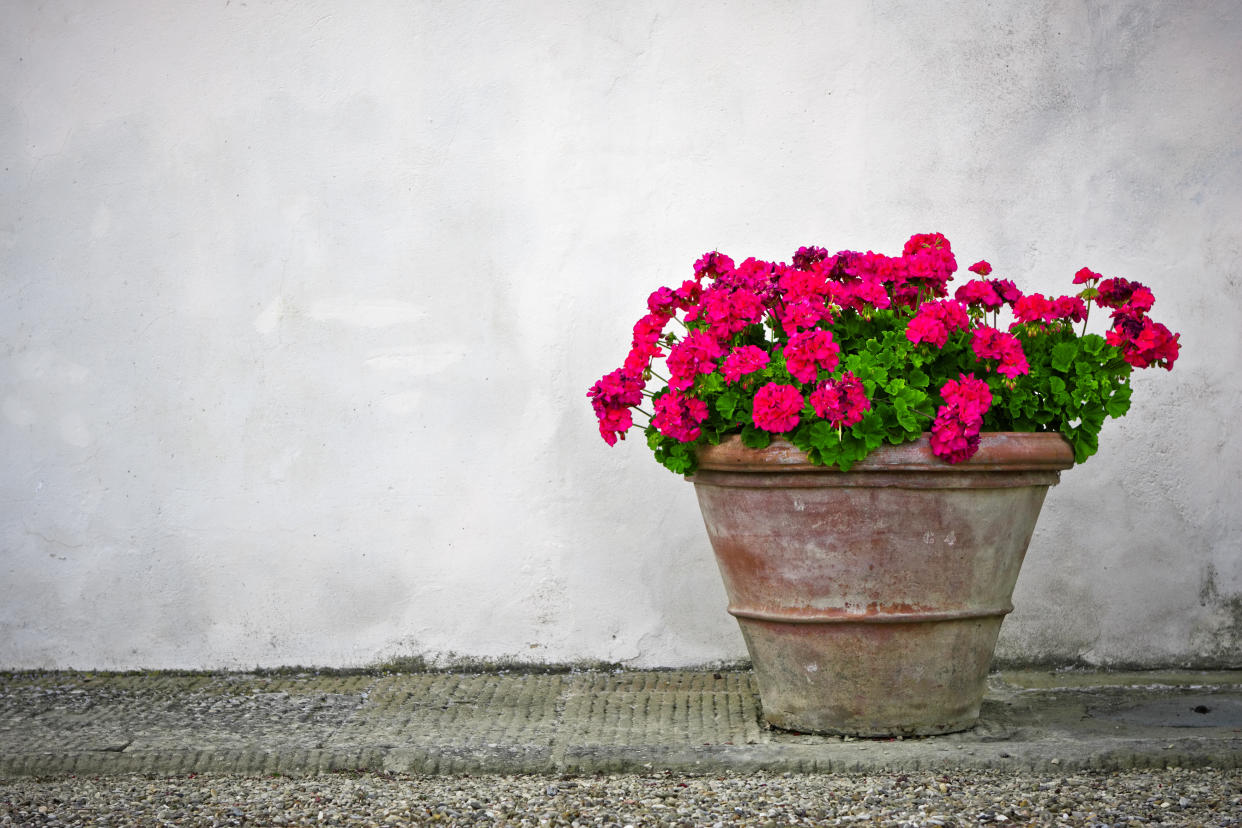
{"x": 56, "y": 723}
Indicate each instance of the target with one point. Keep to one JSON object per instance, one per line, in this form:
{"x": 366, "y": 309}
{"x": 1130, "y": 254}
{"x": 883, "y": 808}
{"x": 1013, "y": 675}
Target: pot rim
{"x": 998, "y": 451}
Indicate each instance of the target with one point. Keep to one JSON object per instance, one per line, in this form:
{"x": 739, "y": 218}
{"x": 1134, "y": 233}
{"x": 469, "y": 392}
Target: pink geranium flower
{"x": 841, "y": 402}
{"x": 1069, "y": 307}
{"x": 1034, "y": 307}
{"x": 712, "y": 265}
{"x": 777, "y": 408}
{"x": 742, "y": 361}
{"x": 989, "y": 343}
{"x": 678, "y": 416}
{"x": 612, "y": 397}
{"x": 1113, "y": 293}
{"x": 970, "y": 395}
{"x": 696, "y": 354}
{"x": 935, "y": 320}
{"x": 1143, "y": 342}
{"x": 955, "y": 432}
{"x": 981, "y": 293}
{"x": 808, "y": 352}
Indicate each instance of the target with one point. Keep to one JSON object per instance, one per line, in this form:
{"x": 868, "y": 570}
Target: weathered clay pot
{"x": 870, "y": 600}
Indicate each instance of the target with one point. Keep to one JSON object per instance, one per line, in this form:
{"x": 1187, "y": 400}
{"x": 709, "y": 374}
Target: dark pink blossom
{"x": 688, "y": 294}
{"x": 803, "y": 285}
{"x": 981, "y": 267}
{"x": 1141, "y": 299}
{"x": 696, "y": 354}
{"x": 1034, "y": 307}
{"x": 804, "y": 314}
{"x": 924, "y": 241}
{"x": 931, "y": 268}
{"x": 1070, "y": 307}
{"x": 860, "y": 295}
{"x": 1085, "y": 275}
{"x": 645, "y": 344}
{"x": 808, "y": 352}
{"x": 876, "y": 267}
{"x": 1006, "y": 290}
{"x": 742, "y": 361}
{"x": 841, "y": 402}
{"x": 612, "y": 397}
{"x": 989, "y": 343}
{"x": 662, "y": 302}
{"x": 969, "y": 395}
{"x": 980, "y": 293}
{"x": 712, "y": 265}
{"x": 807, "y": 256}
{"x": 935, "y": 320}
{"x": 955, "y": 431}
{"x": 727, "y": 310}
{"x": 954, "y": 439}
{"x": 678, "y": 416}
{"x": 1143, "y": 342}
{"x": 1116, "y": 292}
{"x": 777, "y": 408}
{"x": 754, "y": 276}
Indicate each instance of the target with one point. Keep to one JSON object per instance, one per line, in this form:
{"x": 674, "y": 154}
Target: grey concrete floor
{"x": 55, "y": 723}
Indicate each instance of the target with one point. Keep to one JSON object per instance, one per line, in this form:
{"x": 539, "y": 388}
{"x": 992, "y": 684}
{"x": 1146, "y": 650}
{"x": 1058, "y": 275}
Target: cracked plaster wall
{"x": 300, "y": 301}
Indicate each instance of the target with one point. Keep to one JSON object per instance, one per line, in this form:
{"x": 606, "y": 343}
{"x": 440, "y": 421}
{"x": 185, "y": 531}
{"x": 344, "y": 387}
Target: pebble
{"x": 1199, "y": 797}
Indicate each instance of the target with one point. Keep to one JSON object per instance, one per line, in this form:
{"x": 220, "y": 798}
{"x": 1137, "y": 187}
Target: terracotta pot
{"x": 870, "y": 600}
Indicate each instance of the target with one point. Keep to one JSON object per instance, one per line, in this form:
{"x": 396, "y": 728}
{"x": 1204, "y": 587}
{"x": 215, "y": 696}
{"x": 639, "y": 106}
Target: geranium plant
{"x": 841, "y": 353}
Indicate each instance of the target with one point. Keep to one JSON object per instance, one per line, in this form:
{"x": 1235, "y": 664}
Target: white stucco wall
{"x": 301, "y": 301}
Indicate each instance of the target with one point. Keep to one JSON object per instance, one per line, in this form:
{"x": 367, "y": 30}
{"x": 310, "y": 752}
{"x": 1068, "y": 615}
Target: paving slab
{"x": 56, "y": 723}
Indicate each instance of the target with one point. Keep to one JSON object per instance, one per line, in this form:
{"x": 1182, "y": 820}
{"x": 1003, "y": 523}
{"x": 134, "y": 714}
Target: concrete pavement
{"x": 56, "y": 723}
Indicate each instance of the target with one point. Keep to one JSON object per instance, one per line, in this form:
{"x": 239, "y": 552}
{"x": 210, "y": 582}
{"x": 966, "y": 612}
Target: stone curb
{"x": 55, "y": 724}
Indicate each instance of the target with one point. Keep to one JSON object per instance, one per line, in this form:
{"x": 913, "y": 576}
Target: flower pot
{"x": 871, "y": 600}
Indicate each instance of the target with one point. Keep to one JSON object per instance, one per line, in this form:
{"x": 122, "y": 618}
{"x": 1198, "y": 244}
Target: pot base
{"x": 867, "y": 679}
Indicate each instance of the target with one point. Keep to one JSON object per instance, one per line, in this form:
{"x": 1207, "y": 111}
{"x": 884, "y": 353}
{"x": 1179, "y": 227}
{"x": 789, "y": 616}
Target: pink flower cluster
{"x": 694, "y": 355}
{"x": 955, "y": 433}
{"x": 988, "y": 294}
{"x": 841, "y": 402}
{"x": 612, "y": 397}
{"x": 744, "y": 360}
{"x": 678, "y": 416}
{"x": 777, "y": 407}
{"x": 935, "y": 320}
{"x": 809, "y": 352}
{"x": 989, "y": 343}
{"x": 1037, "y": 308}
{"x": 1143, "y": 341}
{"x": 765, "y": 334}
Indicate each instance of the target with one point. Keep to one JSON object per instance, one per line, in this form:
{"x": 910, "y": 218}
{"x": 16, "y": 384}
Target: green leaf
{"x": 1063, "y": 355}
{"x": 727, "y": 403}
{"x": 755, "y": 438}
{"x": 712, "y": 383}
{"x": 822, "y": 436}
{"x": 1085, "y": 443}
{"x": 1119, "y": 403}
{"x": 1092, "y": 344}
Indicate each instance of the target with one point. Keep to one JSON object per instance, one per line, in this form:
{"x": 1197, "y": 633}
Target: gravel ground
{"x": 1201, "y": 797}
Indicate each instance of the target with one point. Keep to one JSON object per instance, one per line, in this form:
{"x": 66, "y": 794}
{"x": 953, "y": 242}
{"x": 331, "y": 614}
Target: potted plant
{"x": 870, "y": 453}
